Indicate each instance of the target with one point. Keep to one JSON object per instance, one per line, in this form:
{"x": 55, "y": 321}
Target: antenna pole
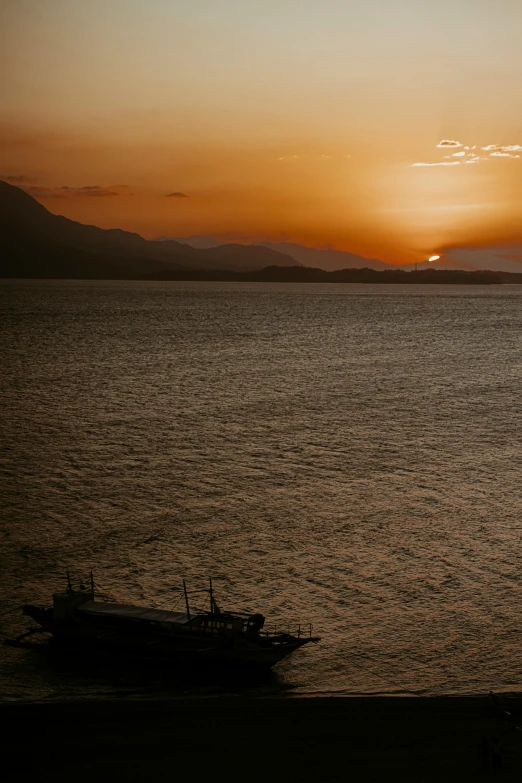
{"x": 92, "y": 585}
{"x": 69, "y": 585}
{"x": 211, "y": 598}
{"x": 186, "y": 599}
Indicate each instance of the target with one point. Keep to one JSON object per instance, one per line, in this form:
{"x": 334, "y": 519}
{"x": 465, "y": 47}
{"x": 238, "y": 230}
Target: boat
{"x": 196, "y": 636}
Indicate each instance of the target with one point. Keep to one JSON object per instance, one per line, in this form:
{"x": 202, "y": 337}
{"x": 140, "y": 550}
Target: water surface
{"x": 343, "y": 455}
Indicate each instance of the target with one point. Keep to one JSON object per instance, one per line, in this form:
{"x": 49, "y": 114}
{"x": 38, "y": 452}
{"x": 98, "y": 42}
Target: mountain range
{"x": 319, "y": 258}
{"x": 36, "y": 243}
{"x": 495, "y": 258}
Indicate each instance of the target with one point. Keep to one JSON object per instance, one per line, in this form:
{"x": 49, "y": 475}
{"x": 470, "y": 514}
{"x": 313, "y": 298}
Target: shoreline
{"x": 301, "y": 275}
{"x": 421, "y": 738}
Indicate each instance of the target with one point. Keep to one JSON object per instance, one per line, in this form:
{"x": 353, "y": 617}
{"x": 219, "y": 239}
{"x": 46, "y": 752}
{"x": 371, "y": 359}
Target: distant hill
{"x": 501, "y": 258}
{"x": 444, "y": 265}
{"x": 36, "y": 243}
{"x": 306, "y": 274}
{"x": 328, "y": 259}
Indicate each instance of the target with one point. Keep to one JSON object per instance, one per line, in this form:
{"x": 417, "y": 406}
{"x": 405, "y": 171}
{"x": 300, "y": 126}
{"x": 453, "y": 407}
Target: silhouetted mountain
{"x": 502, "y": 257}
{"x": 36, "y": 243}
{"x": 198, "y": 241}
{"x": 499, "y": 258}
{"x": 246, "y": 257}
{"x": 218, "y": 250}
{"x": 328, "y": 259}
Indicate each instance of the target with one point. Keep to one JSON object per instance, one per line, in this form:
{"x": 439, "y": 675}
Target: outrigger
{"x": 194, "y": 636}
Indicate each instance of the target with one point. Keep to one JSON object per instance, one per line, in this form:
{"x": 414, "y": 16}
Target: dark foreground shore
{"x": 311, "y": 739}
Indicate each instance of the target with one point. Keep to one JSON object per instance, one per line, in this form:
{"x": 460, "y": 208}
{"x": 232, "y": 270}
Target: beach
{"x": 309, "y": 739}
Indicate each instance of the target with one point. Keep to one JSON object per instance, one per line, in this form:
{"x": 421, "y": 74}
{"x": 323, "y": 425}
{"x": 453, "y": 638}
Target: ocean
{"x": 342, "y": 455}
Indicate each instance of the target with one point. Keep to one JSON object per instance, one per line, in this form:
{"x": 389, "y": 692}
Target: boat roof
{"x": 133, "y": 612}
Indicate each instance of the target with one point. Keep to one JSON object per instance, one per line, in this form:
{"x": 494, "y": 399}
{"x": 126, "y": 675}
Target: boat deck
{"x": 131, "y": 612}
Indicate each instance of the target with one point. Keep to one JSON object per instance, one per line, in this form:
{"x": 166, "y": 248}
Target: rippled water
{"x": 346, "y": 455}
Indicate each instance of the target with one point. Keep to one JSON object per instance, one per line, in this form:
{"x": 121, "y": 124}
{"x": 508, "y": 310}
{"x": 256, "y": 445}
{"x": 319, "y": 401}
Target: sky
{"x": 303, "y": 121}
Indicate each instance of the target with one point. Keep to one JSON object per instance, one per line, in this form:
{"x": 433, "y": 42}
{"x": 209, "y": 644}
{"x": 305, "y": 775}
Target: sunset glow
{"x": 379, "y": 128}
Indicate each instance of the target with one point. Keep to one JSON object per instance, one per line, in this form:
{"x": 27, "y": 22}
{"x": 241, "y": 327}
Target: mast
{"x": 186, "y": 599}
{"x": 92, "y": 585}
{"x": 211, "y": 598}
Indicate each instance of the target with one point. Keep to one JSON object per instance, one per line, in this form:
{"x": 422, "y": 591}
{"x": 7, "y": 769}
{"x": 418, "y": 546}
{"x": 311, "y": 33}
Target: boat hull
{"x": 183, "y": 646}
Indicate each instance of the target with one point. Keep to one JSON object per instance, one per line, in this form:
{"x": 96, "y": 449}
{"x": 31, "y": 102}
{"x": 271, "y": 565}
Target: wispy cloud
{"x": 16, "y": 179}
{"x": 502, "y": 148}
{"x": 95, "y": 191}
{"x": 503, "y": 155}
{"x": 467, "y": 155}
{"x": 66, "y": 192}
{"x": 439, "y": 163}
{"x": 176, "y": 194}
{"x": 61, "y": 191}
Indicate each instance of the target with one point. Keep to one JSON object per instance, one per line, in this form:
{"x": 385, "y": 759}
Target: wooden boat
{"x": 193, "y": 636}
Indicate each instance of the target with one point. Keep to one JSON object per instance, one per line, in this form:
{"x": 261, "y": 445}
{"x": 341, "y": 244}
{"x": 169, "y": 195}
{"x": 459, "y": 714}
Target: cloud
{"x": 468, "y": 156}
{"x": 176, "y": 195}
{"x": 61, "y": 191}
{"x": 440, "y": 163}
{"x": 96, "y": 193}
{"x": 90, "y": 190}
{"x": 448, "y": 143}
{"x": 18, "y": 179}
{"x": 39, "y": 192}
{"x": 502, "y": 148}
{"x": 64, "y": 191}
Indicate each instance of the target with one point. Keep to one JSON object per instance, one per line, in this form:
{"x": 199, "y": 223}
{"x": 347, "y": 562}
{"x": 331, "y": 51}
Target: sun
{"x": 433, "y": 258}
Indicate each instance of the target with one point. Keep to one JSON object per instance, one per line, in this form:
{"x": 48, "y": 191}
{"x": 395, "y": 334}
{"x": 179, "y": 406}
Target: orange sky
{"x": 276, "y": 120}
